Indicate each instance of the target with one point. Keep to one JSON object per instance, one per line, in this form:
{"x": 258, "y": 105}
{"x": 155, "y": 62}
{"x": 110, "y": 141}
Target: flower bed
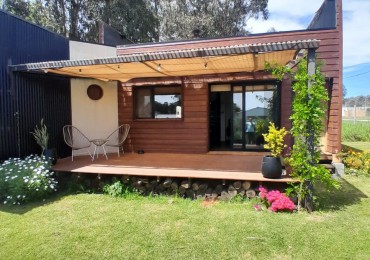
{"x": 275, "y": 201}
{"x": 356, "y": 162}
{"x": 26, "y": 180}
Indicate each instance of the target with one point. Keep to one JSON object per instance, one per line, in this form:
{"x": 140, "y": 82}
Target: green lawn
{"x": 364, "y": 146}
{"x": 91, "y": 226}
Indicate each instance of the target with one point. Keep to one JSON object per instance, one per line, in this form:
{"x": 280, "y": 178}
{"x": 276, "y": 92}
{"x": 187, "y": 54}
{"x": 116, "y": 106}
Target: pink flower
{"x": 283, "y": 203}
{"x": 273, "y": 195}
{"x": 274, "y": 200}
{"x": 263, "y": 192}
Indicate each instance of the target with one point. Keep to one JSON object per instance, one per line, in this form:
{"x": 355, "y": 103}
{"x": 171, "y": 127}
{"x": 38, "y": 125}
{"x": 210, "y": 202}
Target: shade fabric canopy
{"x": 200, "y": 61}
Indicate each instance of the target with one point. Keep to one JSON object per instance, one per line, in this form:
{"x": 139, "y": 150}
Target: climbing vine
{"x": 308, "y": 112}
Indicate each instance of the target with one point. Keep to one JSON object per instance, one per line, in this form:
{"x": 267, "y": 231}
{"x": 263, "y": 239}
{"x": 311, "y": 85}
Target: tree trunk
{"x": 185, "y": 184}
{"x": 167, "y": 182}
{"x": 246, "y": 185}
{"x": 250, "y": 193}
{"x": 237, "y": 184}
{"x": 125, "y": 179}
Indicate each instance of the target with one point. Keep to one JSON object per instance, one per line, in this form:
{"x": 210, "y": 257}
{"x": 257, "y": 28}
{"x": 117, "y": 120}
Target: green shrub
{"x": 355, "y": 132}
{"x": 26, "y": 180}
{"x": 118, "y": 189}
{"x": 356, "y": 163}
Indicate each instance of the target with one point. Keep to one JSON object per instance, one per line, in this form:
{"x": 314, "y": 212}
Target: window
{"x": 158, "y": 102}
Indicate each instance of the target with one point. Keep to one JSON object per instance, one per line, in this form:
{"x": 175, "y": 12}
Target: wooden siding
{"x": 191, "y": 133}
{"x": 186, "y": 135}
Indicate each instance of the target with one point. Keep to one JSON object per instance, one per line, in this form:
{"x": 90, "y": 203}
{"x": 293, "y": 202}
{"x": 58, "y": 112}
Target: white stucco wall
{"x": 84, "y": 50}
{"x": 95, "y": 118}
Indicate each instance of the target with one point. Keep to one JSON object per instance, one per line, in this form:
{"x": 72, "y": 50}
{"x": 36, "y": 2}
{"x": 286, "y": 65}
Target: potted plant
{"x": 41, "y": 136}
{"x": 274, "y": 141}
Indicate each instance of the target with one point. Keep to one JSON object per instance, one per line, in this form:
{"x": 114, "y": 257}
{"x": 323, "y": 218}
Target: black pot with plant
{"x": 41, "y": 136}
{"x": 274, "y": 141}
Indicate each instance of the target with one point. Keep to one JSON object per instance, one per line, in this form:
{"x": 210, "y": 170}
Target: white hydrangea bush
{"x": 23, "y": 180}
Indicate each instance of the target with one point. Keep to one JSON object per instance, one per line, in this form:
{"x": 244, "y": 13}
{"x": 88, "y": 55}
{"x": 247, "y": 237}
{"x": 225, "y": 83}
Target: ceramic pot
{"x": 51, "y": 154}
{"x": 271, "y": 167}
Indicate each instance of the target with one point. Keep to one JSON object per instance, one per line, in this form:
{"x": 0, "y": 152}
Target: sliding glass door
{"x": 240, "y": 114}
{"x": 254, "y": 106}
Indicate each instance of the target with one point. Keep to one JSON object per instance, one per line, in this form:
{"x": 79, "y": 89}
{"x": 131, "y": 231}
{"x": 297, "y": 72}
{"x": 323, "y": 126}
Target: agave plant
{"x": 41, "y": 135}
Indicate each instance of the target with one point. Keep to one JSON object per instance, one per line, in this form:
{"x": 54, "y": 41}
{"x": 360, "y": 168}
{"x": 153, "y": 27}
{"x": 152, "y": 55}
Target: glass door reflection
{"x": 238, "y": 118}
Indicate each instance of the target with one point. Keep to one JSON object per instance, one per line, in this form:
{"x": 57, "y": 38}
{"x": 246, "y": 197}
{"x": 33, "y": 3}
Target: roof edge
{"x": 175, "y": 54}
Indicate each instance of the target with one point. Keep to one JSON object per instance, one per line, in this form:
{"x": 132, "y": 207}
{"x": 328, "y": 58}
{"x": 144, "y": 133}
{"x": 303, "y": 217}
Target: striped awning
{"x": 199, "y": 61}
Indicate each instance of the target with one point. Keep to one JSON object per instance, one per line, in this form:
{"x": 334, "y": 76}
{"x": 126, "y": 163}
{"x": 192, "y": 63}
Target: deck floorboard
{"x": 227, "y": 166}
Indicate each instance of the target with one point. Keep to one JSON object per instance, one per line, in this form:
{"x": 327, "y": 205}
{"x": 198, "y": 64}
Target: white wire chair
{"x": 75, "y": 139}
{"x": 118, "y": 137}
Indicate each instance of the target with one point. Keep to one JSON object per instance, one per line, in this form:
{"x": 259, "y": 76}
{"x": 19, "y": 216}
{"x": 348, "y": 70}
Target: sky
{"x": 286, "y": 15}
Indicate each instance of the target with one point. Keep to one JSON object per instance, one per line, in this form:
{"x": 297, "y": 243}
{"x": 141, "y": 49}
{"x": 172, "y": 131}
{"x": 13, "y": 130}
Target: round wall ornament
{"x": 95, "y": 92}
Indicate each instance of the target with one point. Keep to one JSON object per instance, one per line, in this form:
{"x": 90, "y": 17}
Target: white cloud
{"x": 356, "y": 33}
{"x": 294, "y": 8}
{"x": 280, "y": 24}
{"x": 286, "y": 15}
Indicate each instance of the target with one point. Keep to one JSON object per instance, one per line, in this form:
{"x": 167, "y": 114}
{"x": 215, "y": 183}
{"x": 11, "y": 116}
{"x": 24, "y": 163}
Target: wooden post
{"x": 311, "y": 68}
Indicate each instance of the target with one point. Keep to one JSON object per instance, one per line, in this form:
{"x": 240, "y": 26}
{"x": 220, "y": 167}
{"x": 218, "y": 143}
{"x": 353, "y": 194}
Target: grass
{"x": 363, "y": 146}
{"x": 355, "y": 132}
{"x": 92, "y": 226}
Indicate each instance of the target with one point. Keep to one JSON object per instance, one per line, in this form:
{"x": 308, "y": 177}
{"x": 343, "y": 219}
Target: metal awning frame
{"x": 72, "y": 68}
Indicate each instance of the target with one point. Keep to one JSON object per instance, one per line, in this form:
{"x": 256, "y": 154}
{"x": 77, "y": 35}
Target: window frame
{"x": 152, "y": 90}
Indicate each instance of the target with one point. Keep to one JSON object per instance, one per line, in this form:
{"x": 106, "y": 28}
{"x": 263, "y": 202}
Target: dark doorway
{"x": 240, "y": 114}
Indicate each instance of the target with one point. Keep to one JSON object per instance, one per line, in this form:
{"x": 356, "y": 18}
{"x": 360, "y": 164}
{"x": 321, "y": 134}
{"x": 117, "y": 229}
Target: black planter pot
{"x": 271, "y": 167}
{"x": 51, "y": 154}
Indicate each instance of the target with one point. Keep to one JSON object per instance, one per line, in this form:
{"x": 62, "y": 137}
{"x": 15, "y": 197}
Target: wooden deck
{"x": 217, "y": 165}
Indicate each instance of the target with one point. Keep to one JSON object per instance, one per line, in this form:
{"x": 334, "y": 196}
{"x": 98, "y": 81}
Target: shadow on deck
{"x": 225, "y": 166}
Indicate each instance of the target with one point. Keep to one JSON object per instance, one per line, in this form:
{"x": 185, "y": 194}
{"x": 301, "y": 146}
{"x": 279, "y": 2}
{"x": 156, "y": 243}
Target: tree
{"x": 33, "y": 11}
{"x": 344, "y": 91}
{"x": 78, "y": 19}
{"x": 142, "y": 20}
{"x": 135, "y": 19}
{"x": 186, "y": 19}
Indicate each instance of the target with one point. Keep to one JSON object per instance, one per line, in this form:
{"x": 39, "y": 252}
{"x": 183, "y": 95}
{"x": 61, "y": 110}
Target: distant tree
{"x": 135, "y": 19}
{"x": 78, "y": 19}
{"x": 344, "y": 91}
{"x": 33, "y": 11}
{"x": 186, "y": 19}
{"x": 142, "y": 20}
{"x": 358, "y": 101}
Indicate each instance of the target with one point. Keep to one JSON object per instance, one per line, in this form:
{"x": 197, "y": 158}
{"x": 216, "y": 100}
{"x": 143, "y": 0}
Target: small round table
{"x": 99, "y": 143}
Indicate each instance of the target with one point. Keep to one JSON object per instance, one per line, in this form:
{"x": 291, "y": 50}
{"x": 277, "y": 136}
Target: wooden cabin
{"x": 199, "y": 95}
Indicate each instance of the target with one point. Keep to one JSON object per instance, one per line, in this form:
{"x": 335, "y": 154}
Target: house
{"x": 193, "y": 96}
{"x": 25, "y": 98}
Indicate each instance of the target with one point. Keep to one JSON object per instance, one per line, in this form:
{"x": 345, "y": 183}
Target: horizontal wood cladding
{"x": 195, "y": 90}
{"x": 186, "y": 135}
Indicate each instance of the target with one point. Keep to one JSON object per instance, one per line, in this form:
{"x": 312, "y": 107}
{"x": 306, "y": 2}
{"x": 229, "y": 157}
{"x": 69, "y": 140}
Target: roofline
{"x": 211, "y": 39}
{"x": 33, "y": 24}
{"x": 175, "y": 54}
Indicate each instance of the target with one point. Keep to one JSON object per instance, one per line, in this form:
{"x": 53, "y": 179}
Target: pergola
{"x": 174, "y": 63}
